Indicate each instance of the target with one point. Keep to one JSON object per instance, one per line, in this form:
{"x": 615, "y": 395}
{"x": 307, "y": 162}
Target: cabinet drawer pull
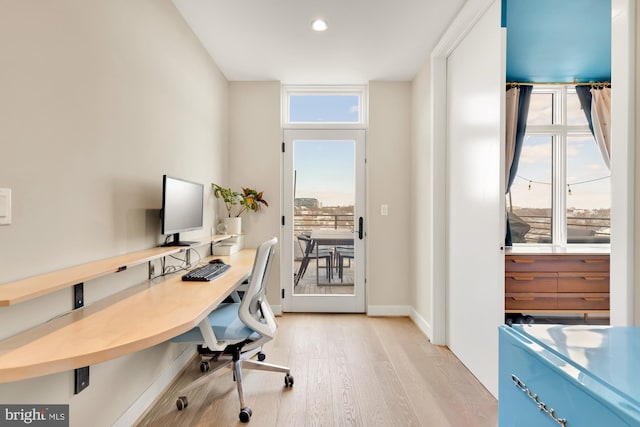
{"x": 593, "y": 299}
{"x": 593, "y": 279}
{"x": 593, "y": 261}
{"x": 522, "y": 261}
{"x": 523, "y": 298}
{"x": 522, "y": 278}
{"x": 541, "y": 405}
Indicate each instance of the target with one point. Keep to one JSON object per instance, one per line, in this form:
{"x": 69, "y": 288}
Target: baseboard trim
{"x": 389, "y": 310}
{"x": 421, "y": 323}
{"x": 144, "y": 401}
{"x": 277, "y": 310}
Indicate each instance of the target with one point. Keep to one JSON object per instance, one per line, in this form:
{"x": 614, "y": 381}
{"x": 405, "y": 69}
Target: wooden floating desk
{"x": 132, "y": 320}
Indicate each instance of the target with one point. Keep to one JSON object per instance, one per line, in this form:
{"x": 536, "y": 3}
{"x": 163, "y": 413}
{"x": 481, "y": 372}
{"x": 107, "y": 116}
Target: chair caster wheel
{"x": 288, "y": 380}
{"x": 204, "y": 366}
{"x": 245, "y": 414}
{"x": 182, "y": 403}
{"x": 261, "y": 356}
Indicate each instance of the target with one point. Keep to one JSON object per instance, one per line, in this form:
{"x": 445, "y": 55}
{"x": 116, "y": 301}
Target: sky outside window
{"x": 324, "y": 108}
{"x": 325, "y": 170}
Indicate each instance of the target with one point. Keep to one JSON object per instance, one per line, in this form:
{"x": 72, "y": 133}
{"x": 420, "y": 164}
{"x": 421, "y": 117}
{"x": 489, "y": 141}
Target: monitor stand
{"x": 177, "y": 242}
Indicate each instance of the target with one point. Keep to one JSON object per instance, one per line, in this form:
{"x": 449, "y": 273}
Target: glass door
{"x": 324, "y": 229}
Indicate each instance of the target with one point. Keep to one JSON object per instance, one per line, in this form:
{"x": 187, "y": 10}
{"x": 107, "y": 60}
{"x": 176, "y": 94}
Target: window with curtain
{"x": 562, "y": 192}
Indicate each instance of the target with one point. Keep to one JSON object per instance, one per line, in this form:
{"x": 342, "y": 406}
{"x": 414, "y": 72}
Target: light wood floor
{"x": 349, "y": 370}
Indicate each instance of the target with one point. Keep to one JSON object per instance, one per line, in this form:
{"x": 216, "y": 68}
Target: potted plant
{"x": 250, "y": 200}
{"x": 228, "y": 196}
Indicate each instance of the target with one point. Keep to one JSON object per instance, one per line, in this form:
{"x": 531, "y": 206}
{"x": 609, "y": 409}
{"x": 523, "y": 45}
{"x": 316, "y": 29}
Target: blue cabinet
{"x": 571, "y": 376}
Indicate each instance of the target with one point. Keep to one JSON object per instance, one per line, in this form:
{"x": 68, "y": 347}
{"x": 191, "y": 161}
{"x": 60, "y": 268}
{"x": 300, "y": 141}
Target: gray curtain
{"x": 517, "y": 111}
{"x": 518, "y": 120}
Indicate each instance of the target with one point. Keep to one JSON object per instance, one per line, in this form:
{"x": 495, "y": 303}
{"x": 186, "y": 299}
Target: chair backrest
{"x": 254, "y": 310}
{"x": 308, "y": 244}
{"x": 300, "y": 248}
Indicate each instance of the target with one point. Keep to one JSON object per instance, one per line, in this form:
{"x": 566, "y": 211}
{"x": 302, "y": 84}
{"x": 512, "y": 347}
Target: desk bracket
{"x": 81, "y": 374}
{"x": 214, "y": 245}
{"x": 151, "y": 269}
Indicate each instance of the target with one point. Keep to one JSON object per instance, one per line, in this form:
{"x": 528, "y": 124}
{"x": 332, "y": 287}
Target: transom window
{"x": 335, "y": 106}
{"x": 562, "y": 192}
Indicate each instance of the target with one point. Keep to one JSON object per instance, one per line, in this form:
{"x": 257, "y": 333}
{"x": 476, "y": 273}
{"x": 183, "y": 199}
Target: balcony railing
{"x": 580, "y": 229}
{"x": 305, "y": 223}
{"x": 596, "y": 229}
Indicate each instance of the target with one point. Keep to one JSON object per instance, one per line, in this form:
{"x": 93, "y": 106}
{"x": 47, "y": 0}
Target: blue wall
{"x": 558, "y": 40}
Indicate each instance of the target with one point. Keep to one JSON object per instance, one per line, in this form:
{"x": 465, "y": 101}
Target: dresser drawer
{"x": 583, "y": 301}
{"x": 557, "y": 263}
{"x": 530, "y": 301}
{"x": 557, "y": 282}
{"x": 587, "y": 282}
{"x": 530, "y": 282}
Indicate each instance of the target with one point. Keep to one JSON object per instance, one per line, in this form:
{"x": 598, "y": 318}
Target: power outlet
{"x": 81, "y": 379}
{"x": 384, "y": 209}
{"x": 5, "y": 206}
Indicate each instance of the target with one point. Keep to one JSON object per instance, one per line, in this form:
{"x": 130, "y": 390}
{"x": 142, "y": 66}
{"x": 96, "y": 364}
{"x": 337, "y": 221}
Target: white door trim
{"x": 355, "y": 303}
{"x": 623, "y": 74}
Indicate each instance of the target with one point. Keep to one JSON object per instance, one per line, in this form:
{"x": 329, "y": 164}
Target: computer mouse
{"x": 216, "y": 261}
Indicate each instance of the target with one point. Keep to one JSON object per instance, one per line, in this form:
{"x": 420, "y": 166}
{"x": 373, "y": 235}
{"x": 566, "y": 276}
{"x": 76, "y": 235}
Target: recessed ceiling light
{"x": 319, "y": 25}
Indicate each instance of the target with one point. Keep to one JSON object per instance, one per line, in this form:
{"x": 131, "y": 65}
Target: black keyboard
{"x": 206, "y": 273}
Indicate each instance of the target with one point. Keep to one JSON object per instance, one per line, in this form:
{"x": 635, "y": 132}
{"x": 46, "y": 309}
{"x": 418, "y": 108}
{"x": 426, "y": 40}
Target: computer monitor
{"x": 182, "y": 208}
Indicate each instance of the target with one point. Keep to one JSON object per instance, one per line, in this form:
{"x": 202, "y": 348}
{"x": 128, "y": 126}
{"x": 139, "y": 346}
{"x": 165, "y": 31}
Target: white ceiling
{"x": 272, "y": 39}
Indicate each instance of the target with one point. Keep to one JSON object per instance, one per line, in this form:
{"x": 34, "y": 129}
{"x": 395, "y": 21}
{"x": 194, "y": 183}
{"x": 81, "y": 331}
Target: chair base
{"x": 207, "y": 356}
{"x": 239, "y": 360}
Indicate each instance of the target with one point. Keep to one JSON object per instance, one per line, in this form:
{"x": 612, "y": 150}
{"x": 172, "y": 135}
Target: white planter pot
{"x": 234, "y": 225}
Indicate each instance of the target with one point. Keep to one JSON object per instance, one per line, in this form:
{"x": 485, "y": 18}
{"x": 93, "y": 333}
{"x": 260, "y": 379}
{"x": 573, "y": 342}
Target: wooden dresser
{"x": 560, "y": 282}
{"x": 570, "y": 376}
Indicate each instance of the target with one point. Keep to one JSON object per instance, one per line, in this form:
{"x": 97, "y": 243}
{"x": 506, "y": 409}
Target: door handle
{"x": 360, "y": 228}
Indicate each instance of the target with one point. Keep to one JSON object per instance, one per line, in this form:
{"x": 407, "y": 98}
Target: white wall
{"x": 99, "y": 99}
{"x": 636, "y": 255}
{"x": 254, "y": 161}
{"x": 389, "y": 182}
{"x": 421, "y": 238}
{"x": 255, "y": 137}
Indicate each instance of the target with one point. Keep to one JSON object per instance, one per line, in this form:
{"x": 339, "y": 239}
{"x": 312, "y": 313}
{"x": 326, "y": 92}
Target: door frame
{"x": 623, "y": 200}
{"x": 355, "y": 303}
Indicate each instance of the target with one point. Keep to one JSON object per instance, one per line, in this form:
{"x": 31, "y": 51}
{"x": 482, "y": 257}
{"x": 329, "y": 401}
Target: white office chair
{"x": 239, "y": 330}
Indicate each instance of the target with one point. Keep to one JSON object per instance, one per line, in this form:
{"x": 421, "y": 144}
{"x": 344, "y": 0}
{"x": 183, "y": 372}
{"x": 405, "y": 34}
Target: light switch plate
{"x": 5, "y": 206}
